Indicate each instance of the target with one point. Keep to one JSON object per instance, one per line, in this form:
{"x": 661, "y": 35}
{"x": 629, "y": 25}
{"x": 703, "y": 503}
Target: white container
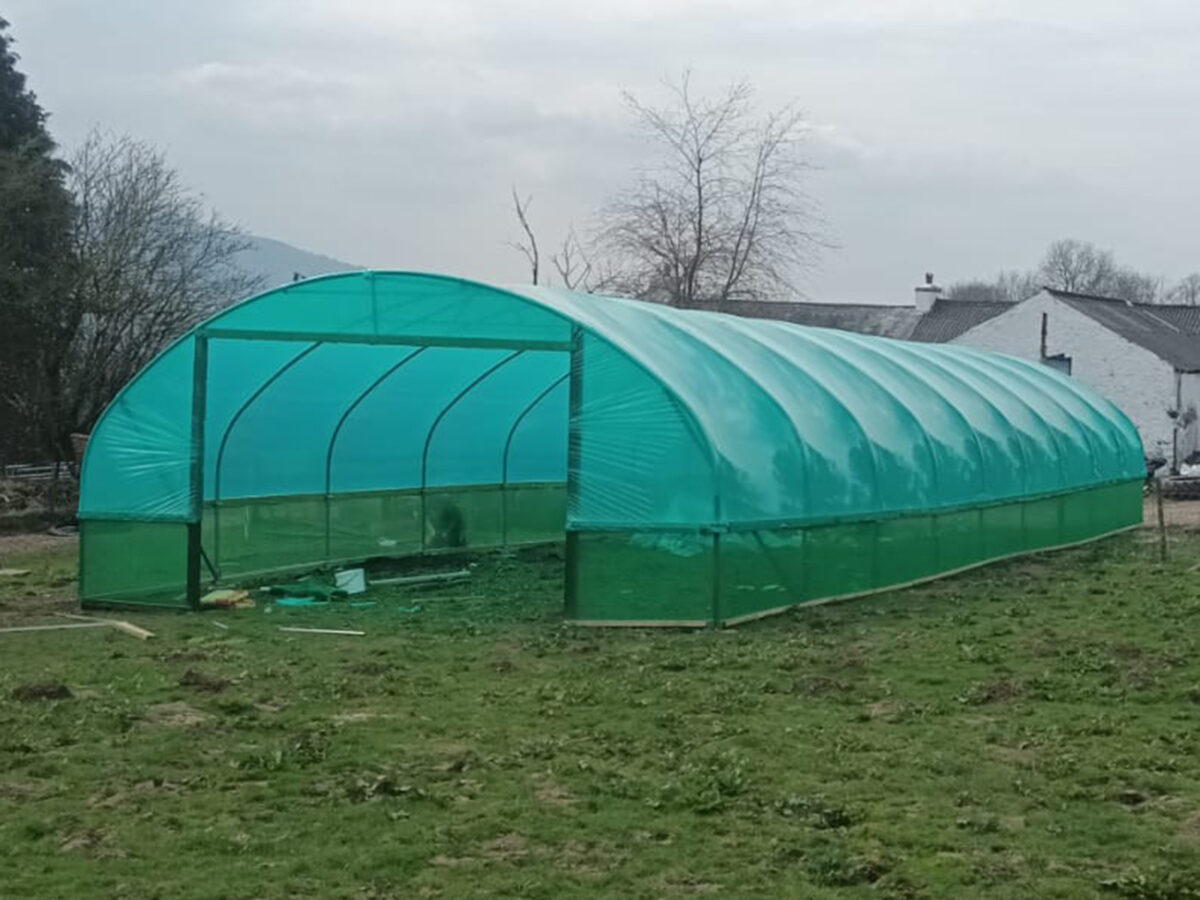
{"x": 352, "y": 581}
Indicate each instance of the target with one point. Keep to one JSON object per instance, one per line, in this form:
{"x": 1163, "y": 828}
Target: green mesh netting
{"x": 707, "y": 468}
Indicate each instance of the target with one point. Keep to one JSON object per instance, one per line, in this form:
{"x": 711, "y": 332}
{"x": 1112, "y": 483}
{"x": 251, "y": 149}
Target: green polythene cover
{"x": 657, "y": 419}
{"x": 686, "y": 418}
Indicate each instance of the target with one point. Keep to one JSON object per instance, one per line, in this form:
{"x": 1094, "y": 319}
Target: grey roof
{"x": 950, "y": 318}
{"x": 945, "y": 321}
{"x": 885, "y": 321}
{"x": 1171, "y": 333}
{"x": 1185, "y": 318}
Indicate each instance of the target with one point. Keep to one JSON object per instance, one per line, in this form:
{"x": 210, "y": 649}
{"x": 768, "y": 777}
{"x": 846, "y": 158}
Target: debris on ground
{"x": 352, "y": 581}
{"x": 310, "y": 588}
{"x": 228, "y": 598}
{"x": 129, "y": 628}
{"x": 418, "y": 580}
{"x": 120, "y": 625}
{"x": 13, "y": 573}
{"x": 322, "y": 631}
{"x": 60, "y": 627}
{"x": 312, "y": 601}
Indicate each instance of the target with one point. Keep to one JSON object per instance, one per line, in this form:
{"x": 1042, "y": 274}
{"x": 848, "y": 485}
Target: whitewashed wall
{"x": 1189, "y": 410}
{"x": 1140, "y": 383}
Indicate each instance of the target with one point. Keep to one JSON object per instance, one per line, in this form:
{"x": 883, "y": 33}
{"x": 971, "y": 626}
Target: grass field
{"x": 1029, "y": 730}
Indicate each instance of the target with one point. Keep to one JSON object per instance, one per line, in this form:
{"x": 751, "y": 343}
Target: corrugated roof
{"x": 947, "y": 319}
{"x": 1171, "y": 333}
{"x": 1186, "y": 318}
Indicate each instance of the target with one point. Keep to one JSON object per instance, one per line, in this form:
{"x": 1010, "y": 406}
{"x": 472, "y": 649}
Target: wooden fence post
{"x": 1162, "y": 527}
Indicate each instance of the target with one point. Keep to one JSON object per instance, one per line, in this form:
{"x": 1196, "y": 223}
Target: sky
{"x": 952, "y": 136}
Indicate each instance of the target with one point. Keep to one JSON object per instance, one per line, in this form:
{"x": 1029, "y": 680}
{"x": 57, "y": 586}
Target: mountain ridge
{"x": 278, "y": 263}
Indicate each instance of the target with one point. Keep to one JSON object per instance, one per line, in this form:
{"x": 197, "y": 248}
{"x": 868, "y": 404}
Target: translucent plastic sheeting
{"x": 682, "y": 578}
{"x": 656, "y": 420}
{"x": 791, "y": 423}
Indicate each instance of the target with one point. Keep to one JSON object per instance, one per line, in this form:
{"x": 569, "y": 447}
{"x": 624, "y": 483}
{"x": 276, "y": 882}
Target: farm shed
{"x": 705, "y": 468}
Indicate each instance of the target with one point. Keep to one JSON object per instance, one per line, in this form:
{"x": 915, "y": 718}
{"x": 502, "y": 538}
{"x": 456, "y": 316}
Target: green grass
{"x": 1030, "y": 730}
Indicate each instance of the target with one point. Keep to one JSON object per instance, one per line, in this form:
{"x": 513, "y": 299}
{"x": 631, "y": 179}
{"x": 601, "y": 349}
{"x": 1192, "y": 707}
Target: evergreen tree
{"x": 35, "y": 226}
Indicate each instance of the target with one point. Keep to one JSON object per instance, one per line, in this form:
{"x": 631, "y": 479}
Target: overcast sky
{"x": 958, "y": 136}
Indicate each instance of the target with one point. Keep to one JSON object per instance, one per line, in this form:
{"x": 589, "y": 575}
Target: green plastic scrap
{"x": 313, "y": 601}
{"x": 306, "y": 588}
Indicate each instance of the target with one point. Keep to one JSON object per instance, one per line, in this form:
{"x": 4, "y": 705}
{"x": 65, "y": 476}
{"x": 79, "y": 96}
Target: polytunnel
{"x": 704, "y": 468}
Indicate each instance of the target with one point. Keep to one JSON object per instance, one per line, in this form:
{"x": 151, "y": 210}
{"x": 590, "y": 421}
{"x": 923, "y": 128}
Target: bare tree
{"x": 1016, "y": 286}
{"x": 1186, "y": 291}
{"x": 1077, "y": 266}
{"x": 1008, "y": 287}
{"x": 528, "y": 246}
{"x": 1134, "y": 286}
{"x": 148, "y": 263}
{"x": 719, "y": 215}
{"x": 572, "y": 263}
{"x": 572, "y": 260}
{"x": 977, "y": 291}
{"x": 1084, "y": 268}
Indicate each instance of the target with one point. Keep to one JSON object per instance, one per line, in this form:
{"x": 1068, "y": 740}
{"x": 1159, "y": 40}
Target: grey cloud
{"x": 959, "y": 136}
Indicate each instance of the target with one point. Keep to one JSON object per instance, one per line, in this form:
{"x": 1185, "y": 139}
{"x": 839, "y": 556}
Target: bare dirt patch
{"x": 999, "y": 690}
{"x": 175, "y": 715}
{"x": 42, "y": 690}
{"x": 1190, "y": 829}
{"x": 688, "y": 885}
{"x": 19, "y": 790}
{"x": 200, "y": 681}
{"x": 28, "y": 544}
{"x": 92, "y": 843}
{"x": 1018, "y": 756}
{"x": 505, "y": 848}
{"x": 353, "y": 718}
{"x": 1176, "y": 513}
{"x": 550, "y": 792}
{"x": 886, "y": 710}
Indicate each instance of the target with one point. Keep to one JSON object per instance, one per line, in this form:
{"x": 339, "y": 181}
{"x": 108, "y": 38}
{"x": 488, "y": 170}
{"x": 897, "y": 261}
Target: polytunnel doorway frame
{"x": 197, "y": 559}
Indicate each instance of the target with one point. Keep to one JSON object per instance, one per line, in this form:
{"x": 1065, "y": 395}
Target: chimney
{"x": 926, "y": 294}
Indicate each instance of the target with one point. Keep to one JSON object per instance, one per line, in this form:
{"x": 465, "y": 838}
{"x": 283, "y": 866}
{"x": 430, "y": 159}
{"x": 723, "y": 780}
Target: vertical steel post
{"x": 196, "y": 469}
{"x": 574, "y": 458}
{"x": 715, "y": 612}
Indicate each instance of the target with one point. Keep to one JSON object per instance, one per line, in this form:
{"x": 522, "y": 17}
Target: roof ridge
{"x": 1082, "y": 296}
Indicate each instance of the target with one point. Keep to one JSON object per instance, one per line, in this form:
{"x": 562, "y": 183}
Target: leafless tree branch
{"x": 148, "y": 263}
{"x": 572, "y": 263}
{"x": 528, "y": 247}
{"x": 719, "y": 214}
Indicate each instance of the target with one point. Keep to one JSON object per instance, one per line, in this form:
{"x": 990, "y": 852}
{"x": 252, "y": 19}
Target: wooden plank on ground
{"x": 62, "y": 627}
{"x": 322, "y": 631}
{"x": 127, "y": 627}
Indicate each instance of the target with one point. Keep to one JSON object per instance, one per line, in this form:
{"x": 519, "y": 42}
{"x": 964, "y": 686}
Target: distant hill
{"x": 278, "y": 263}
